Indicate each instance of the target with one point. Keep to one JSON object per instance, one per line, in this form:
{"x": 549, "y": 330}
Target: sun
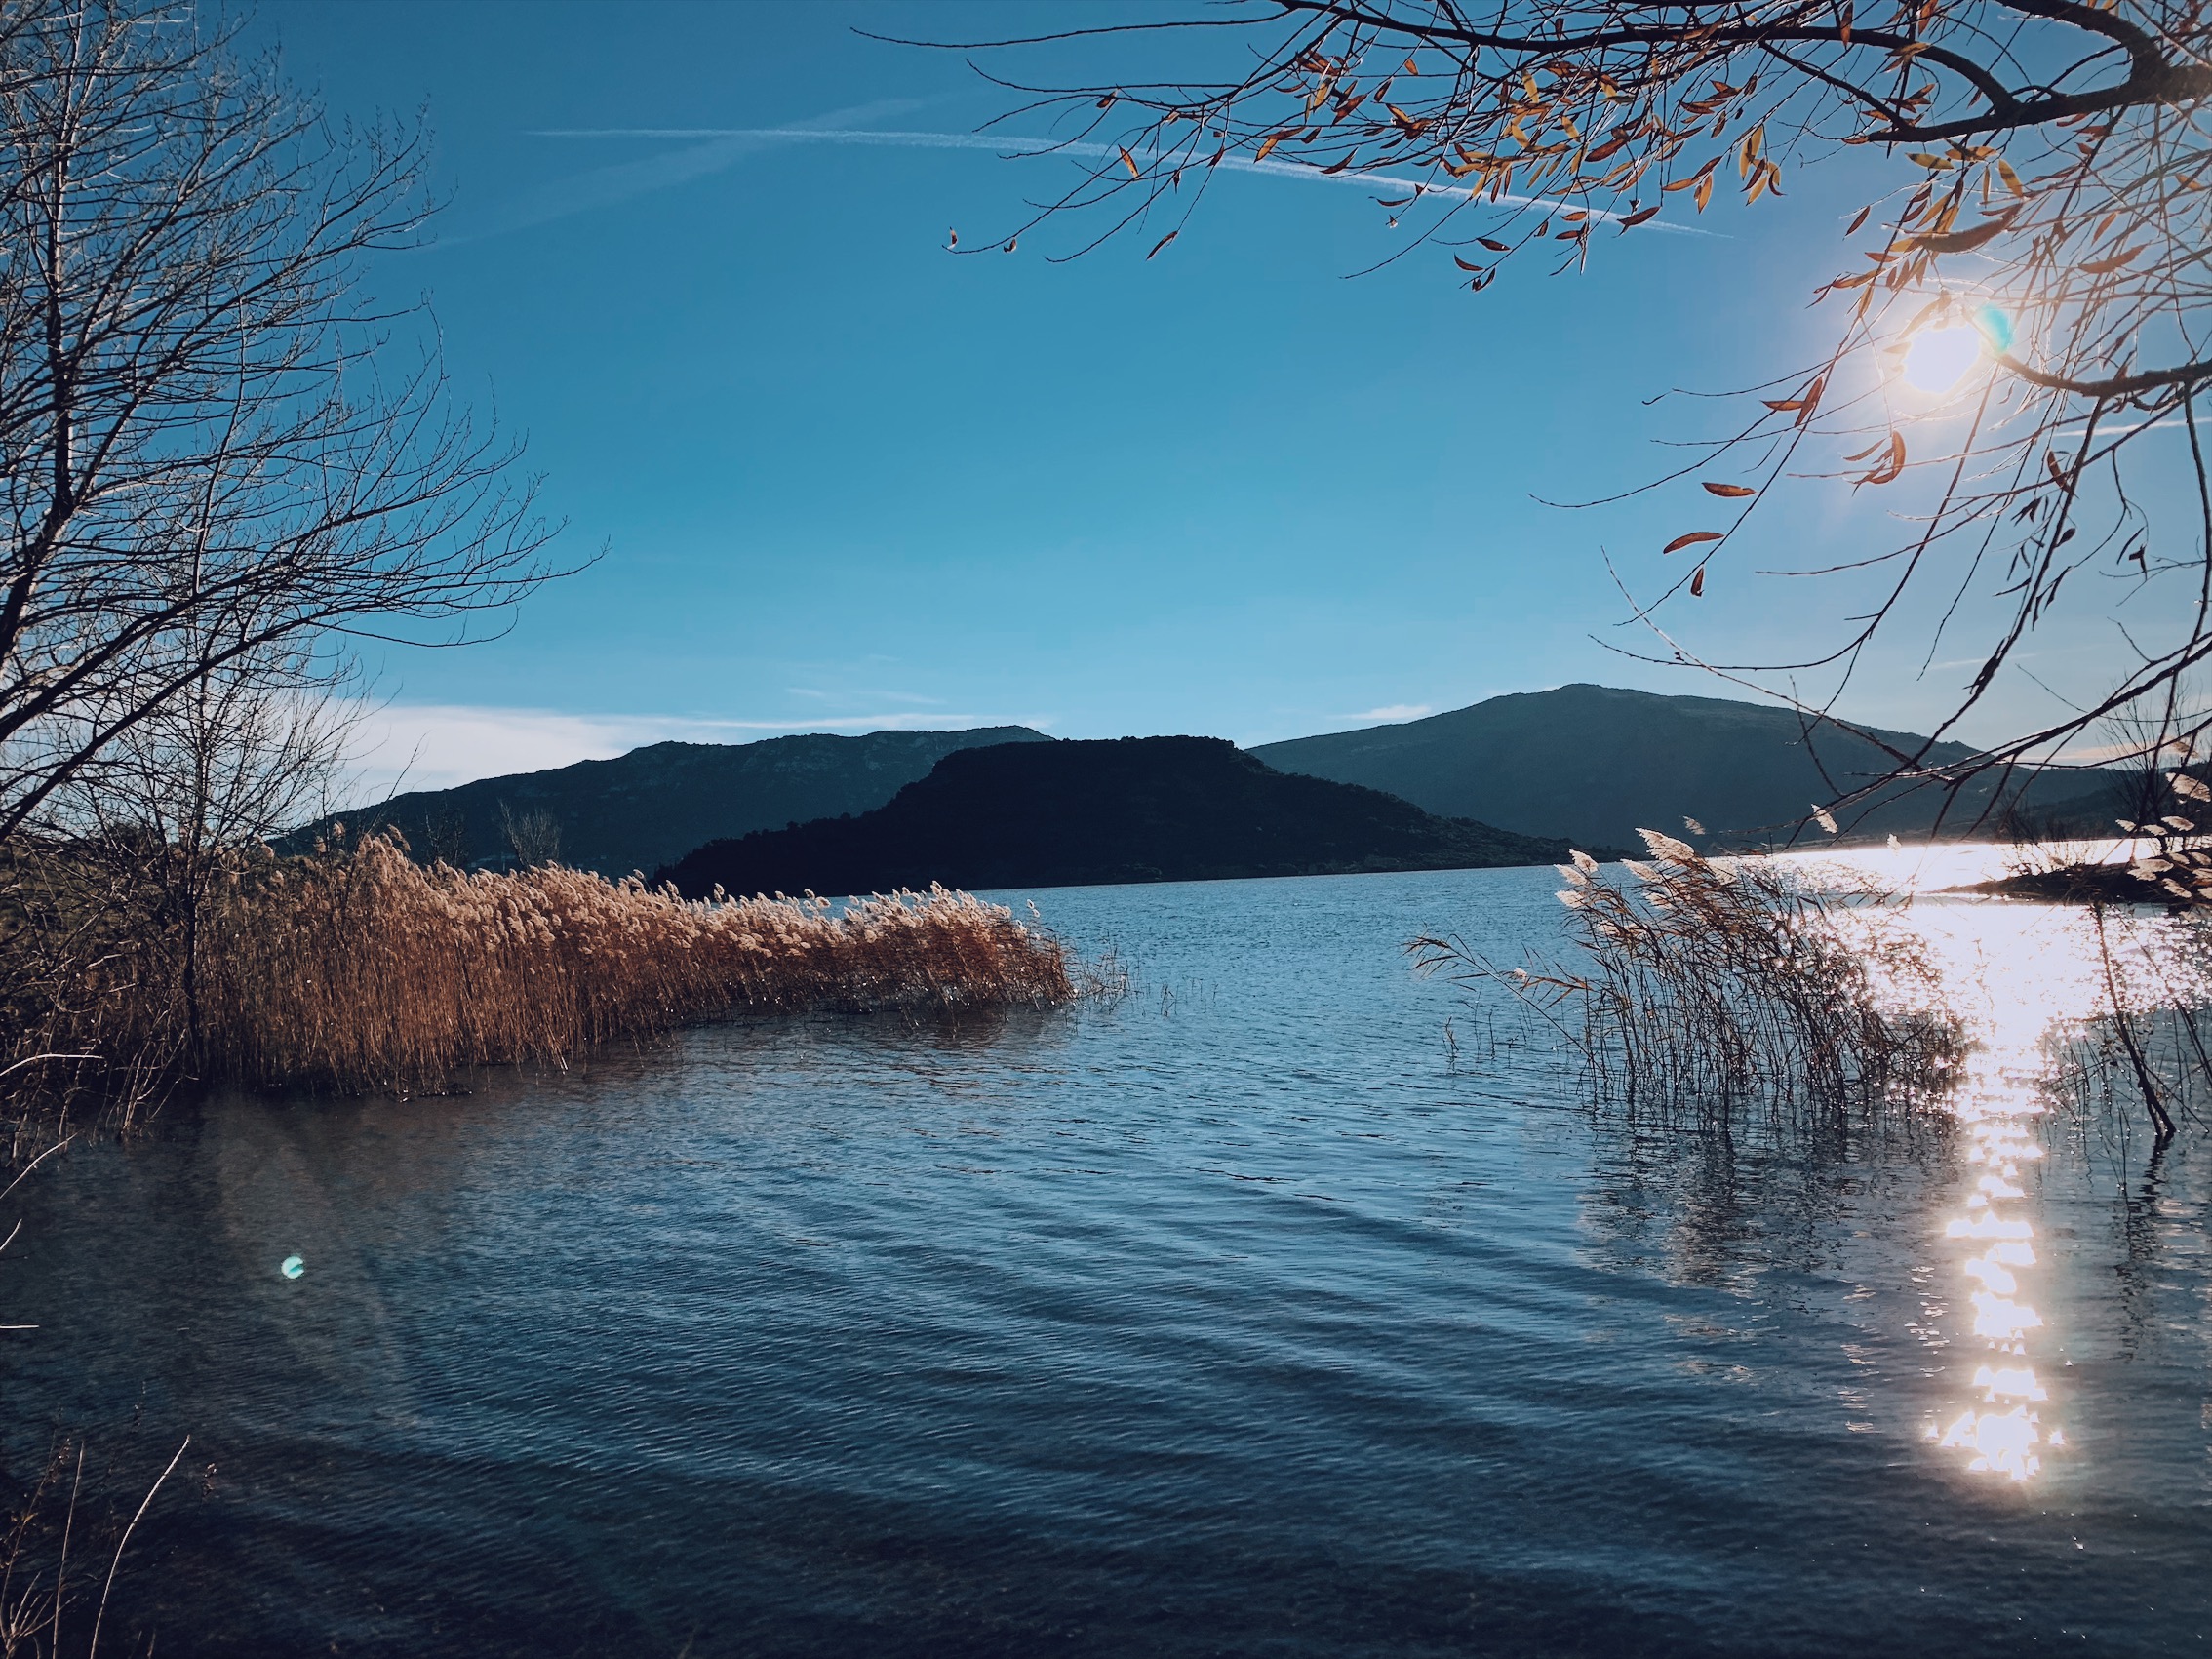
{"x": 1938, "y": 357}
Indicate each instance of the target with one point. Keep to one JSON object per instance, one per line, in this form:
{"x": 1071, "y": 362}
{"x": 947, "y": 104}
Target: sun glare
{"x": 1938, "y": 359}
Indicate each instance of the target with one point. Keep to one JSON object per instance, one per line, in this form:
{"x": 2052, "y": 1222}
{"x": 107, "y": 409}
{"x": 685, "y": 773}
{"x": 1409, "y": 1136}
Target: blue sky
{"x": 844, "y": 479}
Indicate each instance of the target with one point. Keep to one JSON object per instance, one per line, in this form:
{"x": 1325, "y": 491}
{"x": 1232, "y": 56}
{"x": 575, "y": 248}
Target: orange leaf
{"x": 1463, "y": 264}
{"x": 1164, "y": 241}
{"x": 2104, "y": 267}
{"x": 1959, "y": 241}
{"x": 1639, "y": 216}
{"x": 1130, "y": 161}
{"x": 1494, "y": 246}
{"x": 1731, "y": 491}
{"x": 1886, "y": 471}
{"x": 1697, "y": 582}
{"x": 1690, "y": 540}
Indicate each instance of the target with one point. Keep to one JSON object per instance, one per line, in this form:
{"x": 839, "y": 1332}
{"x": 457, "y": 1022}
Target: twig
{"x": 124, "y": 1543}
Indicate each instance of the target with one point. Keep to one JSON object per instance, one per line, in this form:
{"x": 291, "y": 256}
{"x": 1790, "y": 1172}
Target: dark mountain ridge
{"x": 1597, "y": 764}
{"x": 655, "y": 804}
{"x": 1083, "y": 813}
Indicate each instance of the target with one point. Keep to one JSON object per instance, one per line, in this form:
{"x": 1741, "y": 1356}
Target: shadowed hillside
{"x": 1074, "y": 813}
{"x": 658, "y": 802}
{"x": 1597, "y": 763}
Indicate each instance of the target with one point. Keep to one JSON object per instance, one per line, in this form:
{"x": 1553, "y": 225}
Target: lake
{"x": 1252, "y": 1314}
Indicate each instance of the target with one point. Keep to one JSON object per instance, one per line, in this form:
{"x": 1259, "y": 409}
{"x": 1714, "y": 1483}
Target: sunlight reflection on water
{"x": 2021, "y": 976}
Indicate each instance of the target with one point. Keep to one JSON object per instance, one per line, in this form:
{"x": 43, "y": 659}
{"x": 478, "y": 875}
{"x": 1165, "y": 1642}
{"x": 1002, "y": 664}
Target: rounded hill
{"x": 1081, "y": 813}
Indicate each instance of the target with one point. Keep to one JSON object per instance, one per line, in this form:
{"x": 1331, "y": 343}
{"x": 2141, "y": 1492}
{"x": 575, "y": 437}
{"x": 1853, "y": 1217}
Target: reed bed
{"x": 362, "y": 970}
{"x": 1709, "y": 984}
{"x": 2151, "y": 1038}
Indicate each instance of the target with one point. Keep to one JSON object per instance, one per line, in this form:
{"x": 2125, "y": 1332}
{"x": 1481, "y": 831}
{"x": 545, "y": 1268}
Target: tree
{"x": 189, "y": 796}
{"x": 211, "y": 471}
{"x": 2040, "y": 219}
{"x": 533, "y": 836}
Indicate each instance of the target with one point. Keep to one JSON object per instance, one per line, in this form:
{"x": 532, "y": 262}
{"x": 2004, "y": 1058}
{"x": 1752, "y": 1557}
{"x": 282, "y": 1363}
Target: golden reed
{"x": 1709, "y": 981}
{"x": 363, "y": 970}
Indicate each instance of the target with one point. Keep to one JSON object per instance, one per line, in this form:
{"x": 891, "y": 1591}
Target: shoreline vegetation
{"x": 1709, "y": 984}
{"x": 358, "y": 971}
{"x": 1705, "y": 982}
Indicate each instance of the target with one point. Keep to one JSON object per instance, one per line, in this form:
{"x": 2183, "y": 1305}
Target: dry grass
{"x": 363, "y": 971}
{"x": 1709, "y": 982}
{"x": 54, "y": 1595}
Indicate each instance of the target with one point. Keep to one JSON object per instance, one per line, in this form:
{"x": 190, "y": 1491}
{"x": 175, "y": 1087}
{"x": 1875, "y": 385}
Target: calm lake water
{"x": 1235, "y": 1318}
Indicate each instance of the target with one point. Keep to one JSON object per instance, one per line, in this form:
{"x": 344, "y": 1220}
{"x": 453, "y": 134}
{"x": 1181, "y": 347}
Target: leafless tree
{"x": 2039, "y": 212}
{"x": 203, "y": 784}
{"x": 209, "y": 470}
{"x": 533, "y": 836}
{"x": 445, "y": 836}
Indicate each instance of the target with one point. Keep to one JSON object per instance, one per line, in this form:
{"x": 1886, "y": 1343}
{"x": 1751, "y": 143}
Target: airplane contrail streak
{"x": 1079, "y": 147}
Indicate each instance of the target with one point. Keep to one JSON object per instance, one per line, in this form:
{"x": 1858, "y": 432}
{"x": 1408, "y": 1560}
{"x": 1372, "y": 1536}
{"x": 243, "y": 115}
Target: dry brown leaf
{"x": 1959, "y": 241}
{"x": 1892, "y": 465}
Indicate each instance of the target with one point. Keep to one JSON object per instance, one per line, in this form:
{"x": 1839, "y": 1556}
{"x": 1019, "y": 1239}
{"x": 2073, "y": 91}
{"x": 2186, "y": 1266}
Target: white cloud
{"x": 403, "y": 746}
{"x": 1394, "y": 711}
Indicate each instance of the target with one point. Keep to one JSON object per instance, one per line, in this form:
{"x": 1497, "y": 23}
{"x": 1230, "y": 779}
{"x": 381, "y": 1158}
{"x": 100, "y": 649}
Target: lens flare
{"x": 1995, "y": 324}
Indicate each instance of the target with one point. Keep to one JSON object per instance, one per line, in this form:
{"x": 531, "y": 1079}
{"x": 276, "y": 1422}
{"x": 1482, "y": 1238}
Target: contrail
{"x": 603, "y": 187}
{"x": 1079, "y": 147}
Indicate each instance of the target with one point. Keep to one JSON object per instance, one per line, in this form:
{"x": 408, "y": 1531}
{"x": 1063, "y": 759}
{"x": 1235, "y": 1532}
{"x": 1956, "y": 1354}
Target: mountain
{"x": 1597, "y": 764}
{"x": 655, "y": 804}
{"x": 1123, "y": 809}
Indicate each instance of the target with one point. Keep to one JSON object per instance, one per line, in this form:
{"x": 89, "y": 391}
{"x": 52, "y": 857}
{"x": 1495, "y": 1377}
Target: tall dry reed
{"x": 361, "y": 970}
{"x": 2151, "y": 1038}
{"x": 1709, "y": 982}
